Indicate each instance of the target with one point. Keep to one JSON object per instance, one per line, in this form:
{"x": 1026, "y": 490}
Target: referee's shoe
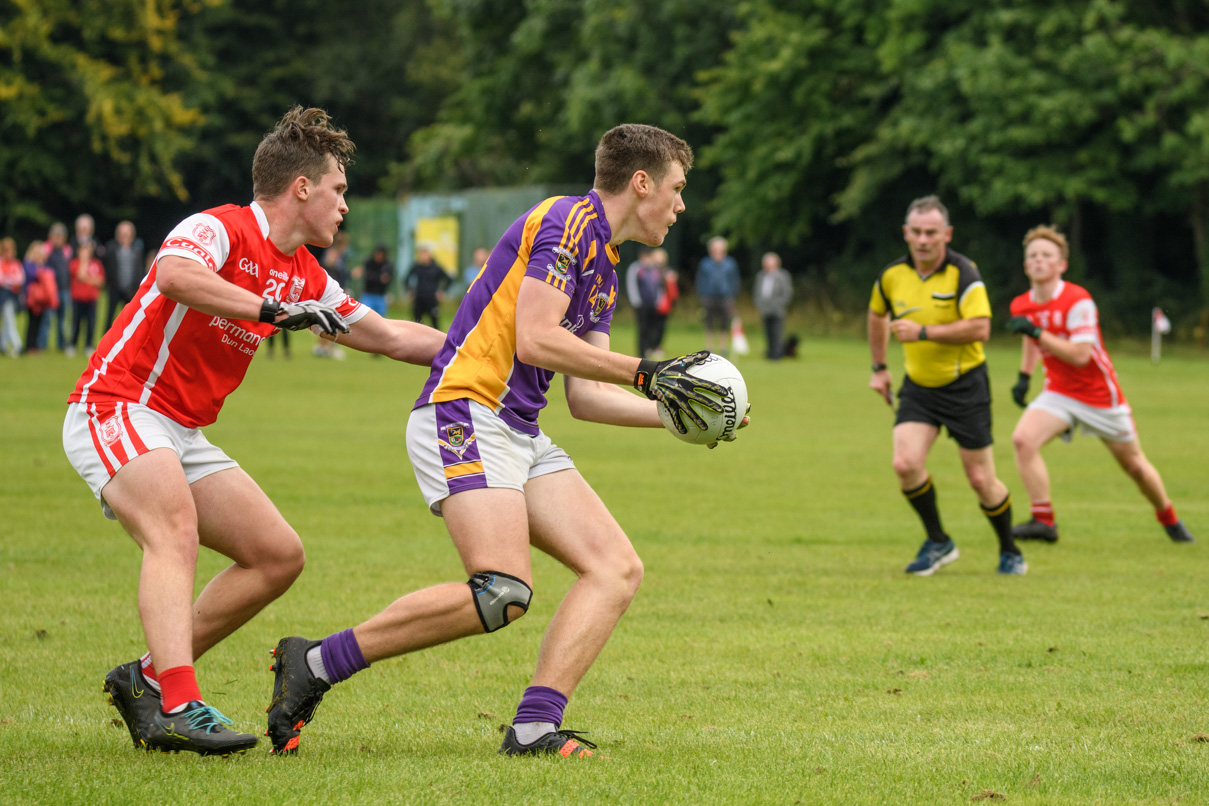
{"x": 933, "y": 555}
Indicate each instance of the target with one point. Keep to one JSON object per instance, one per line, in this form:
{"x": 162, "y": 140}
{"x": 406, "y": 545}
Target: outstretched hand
{"x": 1023, "y": 326}
{"x": 302, "y": 315}
{"x": 670, "y": 383}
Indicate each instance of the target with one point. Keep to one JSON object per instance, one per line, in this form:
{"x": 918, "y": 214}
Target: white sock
{"x": 530, "y": 732}
{"x": 314, "y": 661}
{"x": 154, "y": 685}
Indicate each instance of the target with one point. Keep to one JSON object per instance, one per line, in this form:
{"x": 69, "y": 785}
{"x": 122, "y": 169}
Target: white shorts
{"x": 100, "y": 438}
{"x": 1114, "y": 424}
{"x": 462, "y": 445}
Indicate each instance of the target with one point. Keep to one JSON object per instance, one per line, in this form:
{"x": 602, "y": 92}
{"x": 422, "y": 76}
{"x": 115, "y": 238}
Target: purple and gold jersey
{"x": 564, "y": 241}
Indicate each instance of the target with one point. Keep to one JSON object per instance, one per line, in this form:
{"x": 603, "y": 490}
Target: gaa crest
{"x": 456, "y": 440}
{"x": 563, "y": 260}
{"x": 598, "y": 305}
{"x": 296, "y": 286}
{"x": 111, "y": 430}
{"x": 204, "y": 234}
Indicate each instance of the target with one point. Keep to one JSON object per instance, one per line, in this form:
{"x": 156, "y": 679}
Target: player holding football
{"x": 542, "y": 304}
{"x": 1061, "y": 328}
{"x": 934, "y": 302}
{"x": 223, "y": 281}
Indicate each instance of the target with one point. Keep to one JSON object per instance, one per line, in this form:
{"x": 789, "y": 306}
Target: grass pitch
{"x": 776, "y": 653}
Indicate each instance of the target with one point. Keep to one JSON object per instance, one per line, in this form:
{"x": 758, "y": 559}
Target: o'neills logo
{"x": 235, "y": 335}
{"x": 730, "y": 413}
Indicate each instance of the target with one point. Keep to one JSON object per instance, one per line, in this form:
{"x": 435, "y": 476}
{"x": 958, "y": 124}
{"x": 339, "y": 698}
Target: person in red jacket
{"x": 41, "y": 292}
{"x": 87, "y": 279}
{"x": 12, "y": 283}
{"x": 1061, "y": 327}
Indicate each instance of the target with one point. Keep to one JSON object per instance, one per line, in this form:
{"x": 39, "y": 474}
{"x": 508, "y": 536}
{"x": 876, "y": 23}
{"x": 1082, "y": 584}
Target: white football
{"x": 718, "y": 425}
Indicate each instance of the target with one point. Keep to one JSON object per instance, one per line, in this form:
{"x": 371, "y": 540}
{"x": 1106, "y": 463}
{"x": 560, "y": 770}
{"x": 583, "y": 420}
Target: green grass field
{"x": 776, "y": 654}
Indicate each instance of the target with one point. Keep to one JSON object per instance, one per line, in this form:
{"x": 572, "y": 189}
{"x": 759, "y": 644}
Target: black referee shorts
{"x": 963, "y": 407}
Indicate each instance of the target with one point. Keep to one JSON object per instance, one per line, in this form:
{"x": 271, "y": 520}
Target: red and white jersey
{"x": 181, "y": 362}
{"x": 1072, "y": 315}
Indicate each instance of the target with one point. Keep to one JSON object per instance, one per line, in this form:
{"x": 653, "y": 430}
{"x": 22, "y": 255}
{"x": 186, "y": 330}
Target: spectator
{"x": 643, "y": 286}
{"x": 41, "y": 292}
{"x": 426, "y": 282}
{"x": 58, "y": 257}
{"x": 378, "y": 273}
{"x": 667, "y": 299}
{"x": 271, "y": 343}
{"x": 12, "y": 281}
{"x": 471, "y": 272}
{"x": 87, "y": 279}
{"x": 335, "y": 263}
{"x": 85, "y": 235}
{"x": 335, "y": 259}
{"x": 123, "y": 261}
{"x": 717, "y": 286}
{"x": 772, "y": 293}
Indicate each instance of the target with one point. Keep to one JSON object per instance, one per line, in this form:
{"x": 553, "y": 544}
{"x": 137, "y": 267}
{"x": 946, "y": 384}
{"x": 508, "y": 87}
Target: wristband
{"x": 923, "y": 333}
{"x": 878, "y": 367}
{"x": 642, "y": 378}
{"x": 269, "y": 310}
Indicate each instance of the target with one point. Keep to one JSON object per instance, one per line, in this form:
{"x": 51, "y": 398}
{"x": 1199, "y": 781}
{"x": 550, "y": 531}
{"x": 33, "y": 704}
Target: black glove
{"x": 670, "y": 383}
{"x": 1022, "y": 325}
{"x": 1021, "y": 389}
{"x": 304, "y": 314}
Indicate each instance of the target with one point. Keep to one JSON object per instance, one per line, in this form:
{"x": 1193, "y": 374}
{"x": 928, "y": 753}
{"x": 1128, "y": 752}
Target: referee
{"x": 934, "y": 302}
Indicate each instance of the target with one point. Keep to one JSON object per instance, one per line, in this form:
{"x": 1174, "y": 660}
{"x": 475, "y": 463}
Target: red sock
{"x": 1043, "y": 511}
{"x": 179, "y": 685}
{"x": 1167, "y": 517}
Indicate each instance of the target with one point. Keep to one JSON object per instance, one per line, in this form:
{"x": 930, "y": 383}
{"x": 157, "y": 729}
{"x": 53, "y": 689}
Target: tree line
{"x": 815, "y": 122}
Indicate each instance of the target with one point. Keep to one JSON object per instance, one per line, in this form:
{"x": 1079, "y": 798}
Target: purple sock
{"x": 541, "y": 704}
{"x": 342, "y": 656}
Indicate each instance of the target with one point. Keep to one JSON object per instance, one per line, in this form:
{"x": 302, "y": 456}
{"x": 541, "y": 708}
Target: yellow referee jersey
{"x": 952, "y": 292}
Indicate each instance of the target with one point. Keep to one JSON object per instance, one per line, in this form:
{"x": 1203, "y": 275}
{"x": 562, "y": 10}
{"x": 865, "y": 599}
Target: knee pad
{"x": 493, "y": 592}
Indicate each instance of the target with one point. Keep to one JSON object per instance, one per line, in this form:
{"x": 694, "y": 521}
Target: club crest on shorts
{"x": 111, "y": 430}
{"x": 455, "y": 439}
{"x": 296, "y": 286}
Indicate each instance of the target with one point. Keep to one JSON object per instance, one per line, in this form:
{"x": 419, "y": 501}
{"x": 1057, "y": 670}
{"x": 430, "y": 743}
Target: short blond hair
{"x": 1050, "y": 233}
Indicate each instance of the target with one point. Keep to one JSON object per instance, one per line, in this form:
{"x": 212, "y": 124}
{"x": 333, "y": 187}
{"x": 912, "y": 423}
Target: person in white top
{"x": 222, "y": 282}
